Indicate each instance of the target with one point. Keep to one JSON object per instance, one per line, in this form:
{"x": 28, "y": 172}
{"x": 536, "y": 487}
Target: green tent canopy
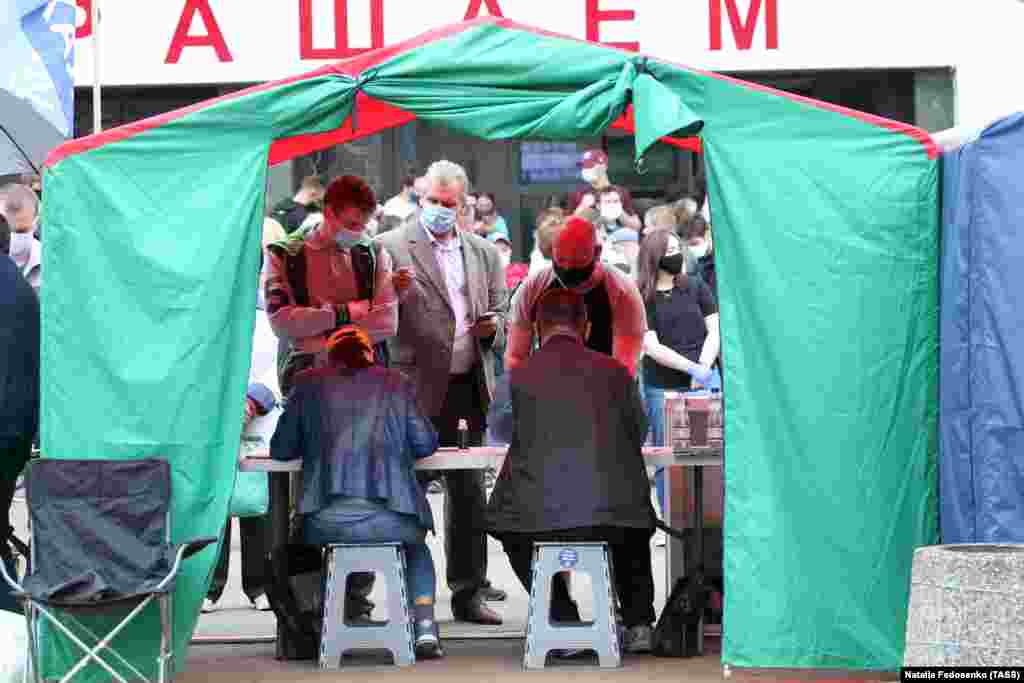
{"x": 826, "y": 234}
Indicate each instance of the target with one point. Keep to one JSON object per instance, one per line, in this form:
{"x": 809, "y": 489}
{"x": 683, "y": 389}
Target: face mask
{"x": 21, "y": 247}
{"x": 672, "y": 264}
{"x": 573, "y": 277}
{"x": 611, "y": 212}
{"x": 699, "y": 251}
{"x": 346, "y": 239}
{"x": 438, "y": 219}
{"x": 589, "y": 175}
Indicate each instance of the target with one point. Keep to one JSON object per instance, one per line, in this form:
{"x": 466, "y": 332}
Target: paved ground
{"x": 237, "y": 618}
{"x": 467, "y": 660}
{"x": 474, "y": 653}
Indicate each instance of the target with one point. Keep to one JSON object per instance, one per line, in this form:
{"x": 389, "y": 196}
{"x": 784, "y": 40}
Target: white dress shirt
{"x": 450, "y": 261}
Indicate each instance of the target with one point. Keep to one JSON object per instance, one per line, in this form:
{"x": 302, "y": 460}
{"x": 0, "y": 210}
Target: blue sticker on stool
{"x": 568, "y": 558}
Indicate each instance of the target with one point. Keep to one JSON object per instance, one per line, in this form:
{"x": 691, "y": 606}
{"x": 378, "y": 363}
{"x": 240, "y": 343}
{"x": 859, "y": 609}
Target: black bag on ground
{"x": 677, "y": 631}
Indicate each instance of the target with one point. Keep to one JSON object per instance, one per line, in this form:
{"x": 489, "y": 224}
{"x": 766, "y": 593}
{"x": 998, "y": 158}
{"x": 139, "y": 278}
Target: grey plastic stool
{"x": 395, "y": 634}
{"x": 601, "y": 635}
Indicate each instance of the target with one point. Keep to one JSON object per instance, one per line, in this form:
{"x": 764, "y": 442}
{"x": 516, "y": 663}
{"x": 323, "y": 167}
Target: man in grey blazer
{"x": 452, "y": 307}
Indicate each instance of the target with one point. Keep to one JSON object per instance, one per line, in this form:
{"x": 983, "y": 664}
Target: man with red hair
{"x": 614, "y": 306}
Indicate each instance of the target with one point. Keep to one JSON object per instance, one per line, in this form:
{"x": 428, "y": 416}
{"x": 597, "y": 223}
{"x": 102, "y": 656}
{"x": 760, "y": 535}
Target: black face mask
{"x": 574, "y": 277}
{"x": 672, "y": 264}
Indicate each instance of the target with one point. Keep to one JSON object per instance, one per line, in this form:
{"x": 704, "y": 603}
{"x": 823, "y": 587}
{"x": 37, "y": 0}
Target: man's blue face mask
{"x": 437, "y": 219}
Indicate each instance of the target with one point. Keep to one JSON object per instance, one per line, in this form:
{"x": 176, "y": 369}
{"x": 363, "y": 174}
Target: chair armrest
{"x": 184, "y": 550}
{"x": 195, "y": 545}
{"x": 7, "y": 579}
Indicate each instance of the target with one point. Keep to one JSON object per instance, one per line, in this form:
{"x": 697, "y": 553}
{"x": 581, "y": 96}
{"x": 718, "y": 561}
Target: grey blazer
{"x": 422, "y": 349}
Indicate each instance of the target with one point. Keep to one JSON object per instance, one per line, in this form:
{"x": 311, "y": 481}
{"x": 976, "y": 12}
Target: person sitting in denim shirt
{"x": 359, "y": 431}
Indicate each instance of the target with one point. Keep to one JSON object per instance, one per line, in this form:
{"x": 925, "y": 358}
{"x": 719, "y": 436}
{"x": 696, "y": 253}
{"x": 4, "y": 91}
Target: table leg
{"x": 698, "y": 527}
{"x": 675, "y": 515}
{"x": 278, "y": 537}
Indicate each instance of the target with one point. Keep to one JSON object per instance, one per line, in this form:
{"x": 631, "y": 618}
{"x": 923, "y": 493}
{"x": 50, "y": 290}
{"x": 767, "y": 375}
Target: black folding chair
{"x": 101, "y": 545}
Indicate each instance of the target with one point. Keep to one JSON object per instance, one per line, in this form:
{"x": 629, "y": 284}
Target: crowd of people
{"x": 404, "y": 322}
{"x": 387, "y": 331}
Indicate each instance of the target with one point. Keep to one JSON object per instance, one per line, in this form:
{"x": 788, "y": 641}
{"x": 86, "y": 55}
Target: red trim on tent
{"x": 627, "y": 123}
{"x": 913, "y": 132}
{"x": 896, "y": 126}
{"x": 89, "y": 142}
{"x": 349, "y": 67}
{"x": 372, "y": 115}
{"x": 282, "y": 150}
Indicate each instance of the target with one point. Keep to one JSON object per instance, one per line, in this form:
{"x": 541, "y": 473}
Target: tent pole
{"x": 97, "y": 118}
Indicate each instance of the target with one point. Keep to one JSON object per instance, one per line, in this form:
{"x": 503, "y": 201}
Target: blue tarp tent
{"x": 982, "y": 350}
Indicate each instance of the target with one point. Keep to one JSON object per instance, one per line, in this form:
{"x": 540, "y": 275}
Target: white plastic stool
{"x": 601, "y": 635}
{"x": 395, "y": 634}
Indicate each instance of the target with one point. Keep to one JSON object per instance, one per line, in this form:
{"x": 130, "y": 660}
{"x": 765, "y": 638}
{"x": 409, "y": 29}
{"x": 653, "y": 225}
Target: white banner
{"x": 238, "y": 41}
{"x": 162, "y": 42}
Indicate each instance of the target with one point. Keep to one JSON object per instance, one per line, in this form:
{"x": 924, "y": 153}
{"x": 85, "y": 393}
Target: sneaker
{"x": 209, "y": 606}
{"x": 261, "y": 604}
{"x": 427, "y": 645}
{"x": 637, "y": 639}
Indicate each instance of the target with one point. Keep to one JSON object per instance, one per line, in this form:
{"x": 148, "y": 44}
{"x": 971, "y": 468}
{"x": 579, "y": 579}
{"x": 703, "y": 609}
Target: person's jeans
{"x": 380, "y": 527}
{"x": 630, "y": 551}
{"x": 654, "y": 403}
{"x": 254, "y": 535}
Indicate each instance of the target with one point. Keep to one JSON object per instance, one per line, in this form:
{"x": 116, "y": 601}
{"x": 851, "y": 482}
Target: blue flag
{"x": 37, "y": 91}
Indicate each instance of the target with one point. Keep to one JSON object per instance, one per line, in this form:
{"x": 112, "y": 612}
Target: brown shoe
{"x": 475, "y": 612}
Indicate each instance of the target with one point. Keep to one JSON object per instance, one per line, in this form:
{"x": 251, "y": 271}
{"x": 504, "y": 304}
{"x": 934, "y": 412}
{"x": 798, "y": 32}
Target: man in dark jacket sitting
{"x": 575, "y": 468}
{"x": 19, "y": 388}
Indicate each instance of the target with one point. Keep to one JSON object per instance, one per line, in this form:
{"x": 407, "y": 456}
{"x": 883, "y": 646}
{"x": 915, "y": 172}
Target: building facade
{"x": 923, "y": 63}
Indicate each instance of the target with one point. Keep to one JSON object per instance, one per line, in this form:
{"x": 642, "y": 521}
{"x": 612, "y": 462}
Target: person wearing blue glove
{"x": 682, "y": 339}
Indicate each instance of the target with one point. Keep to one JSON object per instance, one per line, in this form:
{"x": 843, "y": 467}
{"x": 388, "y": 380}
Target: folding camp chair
{"x": 100, "y": 545}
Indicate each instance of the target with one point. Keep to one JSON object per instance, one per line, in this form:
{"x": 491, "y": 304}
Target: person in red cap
{"x": 594, "y": 165}
{"x": 614, "y": 307}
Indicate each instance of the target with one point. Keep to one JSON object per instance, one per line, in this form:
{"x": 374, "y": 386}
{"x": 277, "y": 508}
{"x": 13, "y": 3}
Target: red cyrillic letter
{"x": 85, "y": 30}
{"x": 743, "y": 31}
{"x": 341, "y": 49}
{"x": 595, "y": 15}
{"x": 473, "y": 11}
{"x": 213, "y": 38}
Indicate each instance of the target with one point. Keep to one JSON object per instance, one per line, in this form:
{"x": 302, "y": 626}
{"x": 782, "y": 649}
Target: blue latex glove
{"x": 702, "y": 374}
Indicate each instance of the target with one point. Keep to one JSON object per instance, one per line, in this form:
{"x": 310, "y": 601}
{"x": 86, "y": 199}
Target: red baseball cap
{"x": 593, "y": 157}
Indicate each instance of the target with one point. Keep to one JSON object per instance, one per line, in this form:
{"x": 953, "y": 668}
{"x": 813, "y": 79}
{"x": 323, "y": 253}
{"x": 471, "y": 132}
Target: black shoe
{"x": 491, "y": 594}
{"x": 428, "y": 643}
{"x": 475, "y": 612}
{"x": 357, "y": 607}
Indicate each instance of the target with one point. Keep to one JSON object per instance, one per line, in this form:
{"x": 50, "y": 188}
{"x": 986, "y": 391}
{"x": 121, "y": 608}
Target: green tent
{"x": 826, "y": 228}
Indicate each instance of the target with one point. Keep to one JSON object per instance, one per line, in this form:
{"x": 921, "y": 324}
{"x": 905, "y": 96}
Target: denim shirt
{"x": 359, "y": 433}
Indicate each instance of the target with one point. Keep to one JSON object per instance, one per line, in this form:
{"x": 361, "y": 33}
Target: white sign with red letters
{"x": 243, "y": 41}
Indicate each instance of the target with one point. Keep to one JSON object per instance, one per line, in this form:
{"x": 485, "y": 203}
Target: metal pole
{"x": 97, "y": 118}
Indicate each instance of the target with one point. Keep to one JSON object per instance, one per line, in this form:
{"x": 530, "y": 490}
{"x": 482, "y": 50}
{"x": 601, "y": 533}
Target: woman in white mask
{"x": 20, "y": 206}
